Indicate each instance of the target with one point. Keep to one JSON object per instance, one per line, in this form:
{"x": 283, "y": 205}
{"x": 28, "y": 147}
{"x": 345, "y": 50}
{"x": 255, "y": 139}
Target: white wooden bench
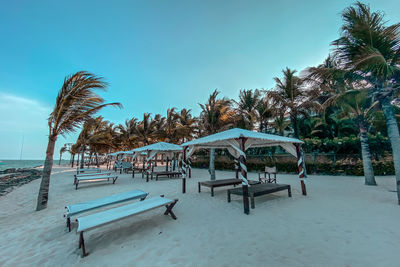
{"x": 94, "y": 178}
{"x": 95, "y": 220}
{"x": 101, "y": 202}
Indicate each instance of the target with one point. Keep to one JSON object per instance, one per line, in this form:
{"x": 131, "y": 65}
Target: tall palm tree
{"x": 291, "y": 96}
{"x": 76, "y": 102}
{"x": 187, "y": 125}
{"x": 368, "y": 46}
{"x": 265, "y": 111}
{"x": 145, "y": 129}
{"x": 280, "y": 123}
{"x": 216, "y": 115}
{"x": 357, "y": 105}
{"x": 246, "y": 108}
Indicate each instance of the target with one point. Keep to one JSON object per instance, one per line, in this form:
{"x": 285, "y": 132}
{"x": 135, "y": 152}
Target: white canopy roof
{"x": 161, "y": 147}
{"x": 227, "y": 139}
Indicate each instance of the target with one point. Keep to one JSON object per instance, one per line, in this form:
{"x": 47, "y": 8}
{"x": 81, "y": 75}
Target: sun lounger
{"x": 105, "y": 217}
{"x": 94, "y": 178}
{"x": 260, "y": 190}
{"x": 224, "y": 182}
{"x": 88, "y": 170}
{"x": 101, "y": 202}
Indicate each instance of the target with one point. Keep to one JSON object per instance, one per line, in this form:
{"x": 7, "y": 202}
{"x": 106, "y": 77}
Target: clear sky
{"x": 154, "y": 54}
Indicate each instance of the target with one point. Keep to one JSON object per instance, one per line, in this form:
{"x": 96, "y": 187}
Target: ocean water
{"x": 8, "y": 164}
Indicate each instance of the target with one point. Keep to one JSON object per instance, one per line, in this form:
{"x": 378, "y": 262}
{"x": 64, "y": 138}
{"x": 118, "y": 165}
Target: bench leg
{"x": 212, "y": 191}
{"x": 69, "y": 224}
{"x": 82, "y": 245}
{"x": 115, "y": 179}
{"x": 252, "y": 201}
{"x": 76, "y": 185}
{"x": 147, "y": 177}
{"x": 289, "y": 192}
{"x": 199, "y": 188}
{"x": 133, "y": 174}
{"x": 169, "y": 209}
{"x": 229, "y": 196}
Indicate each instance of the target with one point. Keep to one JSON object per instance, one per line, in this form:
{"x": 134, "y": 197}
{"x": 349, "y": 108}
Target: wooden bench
{"x": 112, "y": 215}
{"x": 102, "y": 202}
{"x": 220, "y": 183}
{"x": 90, "y": 174}
{"x": 94, "y": 178}
{"x": 88, "y": 170}
{"x": 169, "y": 174}
{"x": 259, "y": 190}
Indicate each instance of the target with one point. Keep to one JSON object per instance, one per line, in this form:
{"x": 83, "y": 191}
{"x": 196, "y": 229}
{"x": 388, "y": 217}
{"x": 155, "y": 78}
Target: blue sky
{"x": 154, "y": 54}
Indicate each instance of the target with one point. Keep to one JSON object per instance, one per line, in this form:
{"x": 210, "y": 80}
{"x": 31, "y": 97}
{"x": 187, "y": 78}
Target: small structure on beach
{"x": 152, "y": 150}
{"x": 237, "y": 141}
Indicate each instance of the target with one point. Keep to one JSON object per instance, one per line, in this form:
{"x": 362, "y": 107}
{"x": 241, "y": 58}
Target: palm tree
{"x": 246, "y": 108}
{"x": 280, "y": 123}
{"x": 371, "y": 48}
{"x": 216, "y": 115}
{"x": 265, "y": 111}
{"x": 62, "y": 150}
{"x": 76, "y": 102}
{"x": 356, "y": 104}
{"x": 291, "y": 97}
{"x": 187, "y": 125}
{"x": 145, "y": 129}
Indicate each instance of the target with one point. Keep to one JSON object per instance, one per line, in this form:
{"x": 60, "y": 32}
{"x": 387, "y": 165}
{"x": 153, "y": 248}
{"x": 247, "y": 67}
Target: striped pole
{"x": 189, "y": 165}
{"x": 184, "y": 170}
{"x": 148, "y": 166}
{"x": 301, "y": 169}
{"x": 243, "y": 173}
{"x": 236, "y": 168}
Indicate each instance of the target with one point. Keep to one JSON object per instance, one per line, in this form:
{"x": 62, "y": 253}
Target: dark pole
{"x": 301, "y": 170}
{"x": 245, "y": 188}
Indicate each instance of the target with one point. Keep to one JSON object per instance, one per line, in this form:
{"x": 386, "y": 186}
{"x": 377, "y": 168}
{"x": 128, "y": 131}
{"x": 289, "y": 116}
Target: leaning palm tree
{"x": 62, "y": 150}
{"x": 216, "y": 115}
{"x": 76, "y": 102}
{"x": 370, "y": 47}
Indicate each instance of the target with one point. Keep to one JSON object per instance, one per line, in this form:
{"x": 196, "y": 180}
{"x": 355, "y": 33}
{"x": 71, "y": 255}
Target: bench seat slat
{"x": 109, "y": 200}
{"x": 97, "y": 177}
{"x": 111, "y": 215}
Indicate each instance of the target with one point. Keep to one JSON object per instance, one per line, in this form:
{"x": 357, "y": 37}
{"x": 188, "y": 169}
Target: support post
{"x": 184, "y": 169}
{"x": 301, "y": 170}
{"x": 243, "y": 172}
{"x": 236, "y": 168}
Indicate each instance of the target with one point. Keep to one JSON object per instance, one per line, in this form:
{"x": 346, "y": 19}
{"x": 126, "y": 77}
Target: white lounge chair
{"x": 90, "y": 174}
{"x": 101, "y": 202}
{"x": 94, "y": 178}
{"x": 105, "y": 217}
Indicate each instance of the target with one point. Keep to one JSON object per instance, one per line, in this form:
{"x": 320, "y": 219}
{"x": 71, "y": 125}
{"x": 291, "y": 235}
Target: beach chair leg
{"x": 289, "y": 192}
{"x": 229, "y": 196}
{"x": 82, "y": 245}
{"x": 147, "y": 177}
{"x": 169, "y": 209}
{"x": 69, "y": 224}
{"x": 252, "y": 201}
{"x": 212, "y": 191}
{"x": 76, "y": 185}
{"x": 199, "y": 188}
{"x": 115, "y": 179}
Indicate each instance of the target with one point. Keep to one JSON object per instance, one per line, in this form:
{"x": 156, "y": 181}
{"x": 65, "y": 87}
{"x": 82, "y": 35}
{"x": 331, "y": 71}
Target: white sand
{"x": 340, "y": 223}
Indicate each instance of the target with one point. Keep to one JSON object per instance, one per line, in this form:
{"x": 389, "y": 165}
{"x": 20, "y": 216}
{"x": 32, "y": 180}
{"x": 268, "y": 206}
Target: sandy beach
{"x": 340, "y": 223}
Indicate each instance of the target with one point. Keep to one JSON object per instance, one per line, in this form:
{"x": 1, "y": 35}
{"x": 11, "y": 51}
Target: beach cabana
{"x": 237, "y": 141}
{"x": 154, "y": 149}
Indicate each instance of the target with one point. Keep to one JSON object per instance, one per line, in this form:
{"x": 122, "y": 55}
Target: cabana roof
{"x": 160, "y": 147}
{"x": 254, "y": 139}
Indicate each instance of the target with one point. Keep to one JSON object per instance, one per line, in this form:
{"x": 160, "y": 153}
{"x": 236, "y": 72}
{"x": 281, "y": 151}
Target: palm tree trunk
{"x": 73, "y": 159}
{"x": 83, "y": 158}
{"x": 43, "y": 195}
{"x": 394, "y": 136}
{"x": 366, "y": 155}
{"x": 59, "y": 162}
{"x": 212, "y": 164}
